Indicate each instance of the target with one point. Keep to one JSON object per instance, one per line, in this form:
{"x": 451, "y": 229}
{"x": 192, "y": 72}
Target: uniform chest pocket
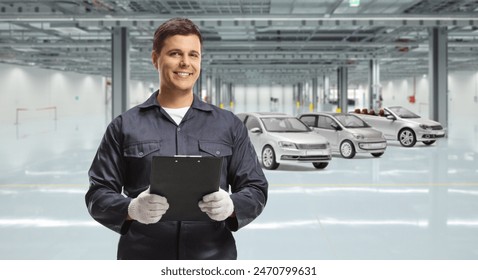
{"x": 215, "y": 149}
{"x": 142, "y": 149}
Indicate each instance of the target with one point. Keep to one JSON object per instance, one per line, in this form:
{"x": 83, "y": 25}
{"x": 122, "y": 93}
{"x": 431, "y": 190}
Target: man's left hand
{"x": 217, "y": 205}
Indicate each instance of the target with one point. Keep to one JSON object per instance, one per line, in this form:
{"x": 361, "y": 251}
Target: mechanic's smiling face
{"x": 178, "y": 63}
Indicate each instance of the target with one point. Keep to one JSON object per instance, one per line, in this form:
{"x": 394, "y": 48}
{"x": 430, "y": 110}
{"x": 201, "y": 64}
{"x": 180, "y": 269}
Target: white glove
{"x": 217, "y": 205}
{"x": 147, "y": 208}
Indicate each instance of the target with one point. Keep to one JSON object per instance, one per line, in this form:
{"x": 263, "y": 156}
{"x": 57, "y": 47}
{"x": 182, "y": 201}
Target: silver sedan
{"x": 346, "y": 133}
{"x": 280, "y": 137}
{"x": 398, "y": 123}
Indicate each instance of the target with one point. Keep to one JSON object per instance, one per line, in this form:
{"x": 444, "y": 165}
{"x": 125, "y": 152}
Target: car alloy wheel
{"x": 407, "y": 137}
{"x": 269, "y": 158}
{"x": 347, "y": 149}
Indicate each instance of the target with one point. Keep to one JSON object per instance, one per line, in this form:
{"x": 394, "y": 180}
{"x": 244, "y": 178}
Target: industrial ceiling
{"x": 245, "y": 41}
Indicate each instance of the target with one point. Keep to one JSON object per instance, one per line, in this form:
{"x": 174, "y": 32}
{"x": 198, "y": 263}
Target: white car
{"x": 346, "y": 133}
{"x": 278, "y": 137}
{"x": 398, "y": 123}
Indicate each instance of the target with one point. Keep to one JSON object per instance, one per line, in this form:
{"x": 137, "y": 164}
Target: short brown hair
{"x": 171, "y": 27}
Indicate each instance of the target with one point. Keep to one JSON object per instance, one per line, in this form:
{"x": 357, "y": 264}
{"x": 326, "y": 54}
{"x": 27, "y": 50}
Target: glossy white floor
{"x": 412, "y": 203}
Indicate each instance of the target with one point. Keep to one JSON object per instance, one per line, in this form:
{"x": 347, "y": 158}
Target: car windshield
{"x": 284, "y": 124}
{"x": 350, "y": 121}
{"x": 403, "y": 113}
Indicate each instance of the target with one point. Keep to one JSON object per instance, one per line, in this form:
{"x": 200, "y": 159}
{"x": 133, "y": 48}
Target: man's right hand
{"x": 147, "y": 208}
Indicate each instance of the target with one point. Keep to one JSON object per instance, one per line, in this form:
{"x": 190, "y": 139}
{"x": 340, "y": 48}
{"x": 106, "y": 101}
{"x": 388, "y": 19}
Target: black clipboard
{"x": 184, "y": 180}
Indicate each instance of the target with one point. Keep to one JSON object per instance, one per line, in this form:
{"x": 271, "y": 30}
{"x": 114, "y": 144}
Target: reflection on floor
{"x": 412, "y": 203}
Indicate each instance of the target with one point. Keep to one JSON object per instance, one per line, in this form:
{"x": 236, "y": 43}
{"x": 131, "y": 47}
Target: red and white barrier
{"x": 32, "y": 110}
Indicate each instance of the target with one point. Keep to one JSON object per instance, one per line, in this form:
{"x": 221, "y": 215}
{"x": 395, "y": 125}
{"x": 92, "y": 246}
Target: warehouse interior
{"x": 56, "y": 88}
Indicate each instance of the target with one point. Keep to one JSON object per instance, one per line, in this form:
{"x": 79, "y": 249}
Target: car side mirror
{"x": 335, "y": 126}
{"x": 391, "y": 117}
{"x": 255, "y": 130}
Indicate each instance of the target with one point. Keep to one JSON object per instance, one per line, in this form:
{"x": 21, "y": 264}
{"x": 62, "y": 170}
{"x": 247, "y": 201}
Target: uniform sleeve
{"x": 248, "y": 183}
{"x": 104, "y": 200}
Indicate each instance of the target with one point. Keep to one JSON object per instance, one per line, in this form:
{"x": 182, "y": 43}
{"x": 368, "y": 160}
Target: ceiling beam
{"x": 255, "y": 20}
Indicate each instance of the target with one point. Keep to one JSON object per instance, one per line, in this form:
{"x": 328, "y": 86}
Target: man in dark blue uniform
{"x": 174, "y": 121}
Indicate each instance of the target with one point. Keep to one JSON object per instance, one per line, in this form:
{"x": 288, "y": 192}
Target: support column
{"x": 120, "y": 70}
{"x": 438, "y": 75}
{"x": 374, "y": 84}
{"x": 198, "y": 86}
{"x": 208, "y": 88}
{"x": 300, "y": 97}
{"x": 218, "y": 93}
{"x": 230, "y": 90}
{"x": 326, "y": 93}
{"x": 342, "y": 89}
{"x": 315, "y": 98}
{"x": 224, "y": 95}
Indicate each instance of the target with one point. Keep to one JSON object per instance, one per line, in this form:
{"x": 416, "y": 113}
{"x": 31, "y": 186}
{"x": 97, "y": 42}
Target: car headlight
{"x": 424, "y": 126}
{"x": 287, "y": 145}
{"x": 359, "y": 136}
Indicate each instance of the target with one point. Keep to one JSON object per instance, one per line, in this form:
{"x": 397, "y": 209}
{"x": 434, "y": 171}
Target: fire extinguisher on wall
{"x": 411, "y": 98}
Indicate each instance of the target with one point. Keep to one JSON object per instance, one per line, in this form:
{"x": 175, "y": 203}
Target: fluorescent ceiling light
{"x": 26, "y": 49}
{"x": 70, "y": 30}
{"x": 354, "y": 3}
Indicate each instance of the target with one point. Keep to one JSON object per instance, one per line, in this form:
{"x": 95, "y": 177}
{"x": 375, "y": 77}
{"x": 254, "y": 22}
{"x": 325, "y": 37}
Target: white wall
{"x": 462, "y": 103}
{"x": 463, "y": 108}
{"x": 397, "y": 92}
{"x": 462, "y": 94}
{"x": 72, "y": 94}
{"x": 76, "y": 94}
{"x": 254, "y": 98}
{"x": 139, "y": 92}
{"x": 35, "y": 89}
